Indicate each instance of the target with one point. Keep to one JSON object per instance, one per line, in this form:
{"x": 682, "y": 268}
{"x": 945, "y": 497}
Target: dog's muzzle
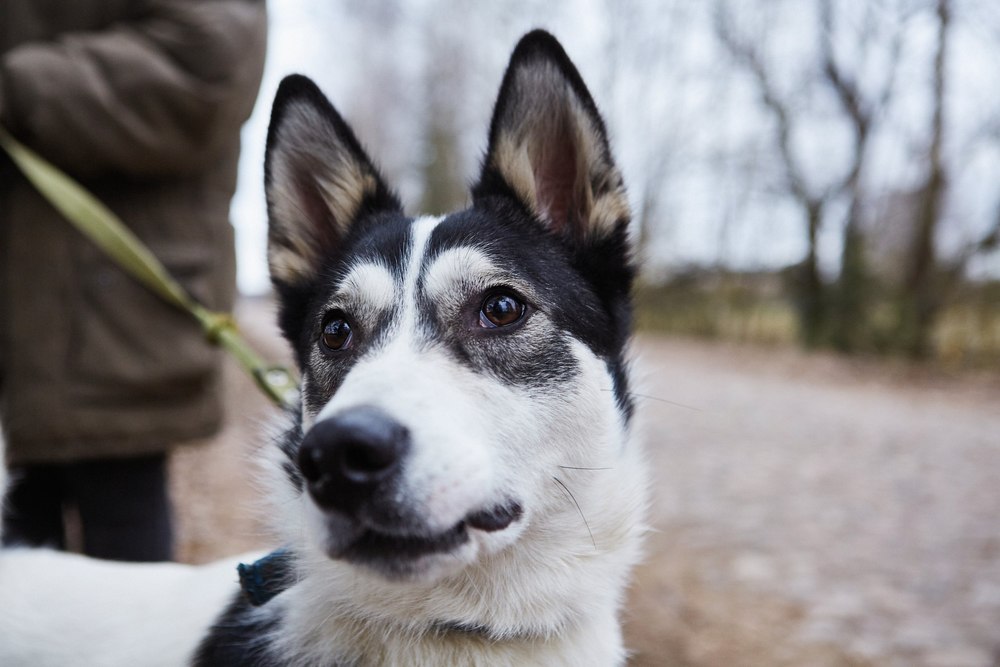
{"x": 353, "y": 466}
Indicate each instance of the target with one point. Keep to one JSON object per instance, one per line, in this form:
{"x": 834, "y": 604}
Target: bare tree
{"x": 922, "y": 299}
{"x": 931, "y": 280}
{"x": 852, "y": 295}
{"x": 809, "y": 291}
{"x": 835, "y": 312}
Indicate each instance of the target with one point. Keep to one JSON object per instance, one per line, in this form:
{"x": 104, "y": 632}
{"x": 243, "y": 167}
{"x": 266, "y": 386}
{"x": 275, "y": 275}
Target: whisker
{"x": 472, "y": 582}
{"x": 578, "y": 509}
{"x": 662, "y": 400}
{"x": 581, "y": 468}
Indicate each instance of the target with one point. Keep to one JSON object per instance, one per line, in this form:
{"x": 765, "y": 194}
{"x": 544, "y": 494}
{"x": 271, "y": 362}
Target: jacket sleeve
{"x": 159, "y": 94}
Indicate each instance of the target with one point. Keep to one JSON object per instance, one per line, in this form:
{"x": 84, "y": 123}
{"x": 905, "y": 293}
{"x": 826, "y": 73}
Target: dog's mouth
{"x": 394, "y": 553}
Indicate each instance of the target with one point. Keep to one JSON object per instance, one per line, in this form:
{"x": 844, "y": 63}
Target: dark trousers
{"x": 122, "y": 504}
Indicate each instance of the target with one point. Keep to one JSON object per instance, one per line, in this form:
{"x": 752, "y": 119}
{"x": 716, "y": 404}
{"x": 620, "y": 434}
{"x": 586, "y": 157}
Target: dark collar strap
{"x": 267, "y": 577}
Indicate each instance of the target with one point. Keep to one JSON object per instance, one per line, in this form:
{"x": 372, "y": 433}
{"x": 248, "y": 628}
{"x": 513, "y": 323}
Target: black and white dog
{"x": 460, "y": 486}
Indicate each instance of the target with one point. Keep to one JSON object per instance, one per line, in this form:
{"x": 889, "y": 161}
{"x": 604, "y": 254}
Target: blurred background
{"x": 816, "y": 203}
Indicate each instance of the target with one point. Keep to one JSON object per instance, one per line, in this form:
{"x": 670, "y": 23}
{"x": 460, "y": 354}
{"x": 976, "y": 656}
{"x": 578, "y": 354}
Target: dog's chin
{"x": 401, "y": 555}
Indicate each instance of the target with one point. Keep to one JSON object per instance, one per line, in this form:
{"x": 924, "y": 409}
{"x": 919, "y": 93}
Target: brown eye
{"x": 500, "y": 310}
{"x": 336, "y": 334}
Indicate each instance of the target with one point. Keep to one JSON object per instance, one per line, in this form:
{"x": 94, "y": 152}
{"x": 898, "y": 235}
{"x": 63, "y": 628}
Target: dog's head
{"x": 464, "y": 381}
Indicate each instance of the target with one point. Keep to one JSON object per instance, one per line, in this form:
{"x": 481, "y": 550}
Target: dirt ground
{"x": 809, "y": 510}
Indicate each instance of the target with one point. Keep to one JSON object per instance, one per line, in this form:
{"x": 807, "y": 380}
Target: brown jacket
{"x": 142, "y": 101}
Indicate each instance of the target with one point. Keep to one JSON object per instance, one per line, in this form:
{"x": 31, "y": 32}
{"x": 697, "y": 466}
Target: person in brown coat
{"x": 142, "y": 101}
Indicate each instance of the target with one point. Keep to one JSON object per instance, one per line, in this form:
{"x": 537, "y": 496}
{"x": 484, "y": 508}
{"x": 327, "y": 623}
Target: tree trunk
{"x": 852, "y": 294}
{"x": 921, "y": 302}
{"x": 809, "y": 290}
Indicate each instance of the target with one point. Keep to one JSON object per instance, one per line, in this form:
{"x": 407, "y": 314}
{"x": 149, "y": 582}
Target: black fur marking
{"x": 239, "y": 638}
{"x": 293, "y": 475}
{"x": 288, "y": 442}
{"x": 445, "y": 628}
{"x": 382, "y": 239}
{"x": 620, "y": 386}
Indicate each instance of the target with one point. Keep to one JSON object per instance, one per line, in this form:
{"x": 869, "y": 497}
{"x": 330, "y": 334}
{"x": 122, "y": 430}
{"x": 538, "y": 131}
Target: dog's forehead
{"x": 433, "y": 256}
{"x": 472, "y": 251}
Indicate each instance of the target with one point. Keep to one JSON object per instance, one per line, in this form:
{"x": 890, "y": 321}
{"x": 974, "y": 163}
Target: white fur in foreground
{"x": 59, "y": 609}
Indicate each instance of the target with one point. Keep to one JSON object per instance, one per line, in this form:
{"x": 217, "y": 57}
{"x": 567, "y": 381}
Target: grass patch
{"x": 754, "y": 309}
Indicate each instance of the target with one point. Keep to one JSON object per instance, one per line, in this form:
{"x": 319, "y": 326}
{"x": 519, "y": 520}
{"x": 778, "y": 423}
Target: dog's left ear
{"x": 549, "y": 147}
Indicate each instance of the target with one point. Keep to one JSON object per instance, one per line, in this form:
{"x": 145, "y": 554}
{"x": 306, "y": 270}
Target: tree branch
{"x": 846, "y": 89}
{"x": 745, "y": 54}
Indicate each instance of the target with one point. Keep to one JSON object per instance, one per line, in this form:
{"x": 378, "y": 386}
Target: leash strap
{"x": 98, "y": 223}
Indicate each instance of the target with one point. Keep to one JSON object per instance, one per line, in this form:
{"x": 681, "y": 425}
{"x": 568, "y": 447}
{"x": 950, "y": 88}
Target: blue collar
{"x": 266, "y": 577}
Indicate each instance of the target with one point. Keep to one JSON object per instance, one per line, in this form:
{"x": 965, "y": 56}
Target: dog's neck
{"x": 348, "y": 639}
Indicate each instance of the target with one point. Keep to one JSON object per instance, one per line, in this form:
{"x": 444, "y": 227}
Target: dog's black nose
{"x": 349, "y": 458}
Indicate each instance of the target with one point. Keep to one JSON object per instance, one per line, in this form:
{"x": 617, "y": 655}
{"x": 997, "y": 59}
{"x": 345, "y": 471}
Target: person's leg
{"x": 124, "y": 508}
{"x": 33, "y": 508}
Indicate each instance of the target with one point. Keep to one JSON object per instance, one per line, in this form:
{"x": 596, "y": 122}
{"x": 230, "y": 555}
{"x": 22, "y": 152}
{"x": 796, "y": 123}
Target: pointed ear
{"x": 318, "y": 181}
{"x": 549, "y": 147}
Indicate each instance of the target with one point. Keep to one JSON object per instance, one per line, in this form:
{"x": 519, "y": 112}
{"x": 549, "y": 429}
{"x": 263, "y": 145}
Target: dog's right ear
{"x": 318, "y": 181}
{"x": 548, "y": 147}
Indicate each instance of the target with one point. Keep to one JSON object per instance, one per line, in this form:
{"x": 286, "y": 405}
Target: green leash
{"x": 109, "y": 233}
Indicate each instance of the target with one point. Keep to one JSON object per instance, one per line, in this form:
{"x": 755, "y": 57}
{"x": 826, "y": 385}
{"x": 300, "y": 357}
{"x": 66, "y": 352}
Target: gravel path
{"x": 813, "y": 510}
{"x": 809, "y": 510}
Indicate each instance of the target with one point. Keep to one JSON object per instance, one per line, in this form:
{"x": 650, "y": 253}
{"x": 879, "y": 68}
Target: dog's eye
{"x": 337, "y": 334}
{"x": 501, "y": 310}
